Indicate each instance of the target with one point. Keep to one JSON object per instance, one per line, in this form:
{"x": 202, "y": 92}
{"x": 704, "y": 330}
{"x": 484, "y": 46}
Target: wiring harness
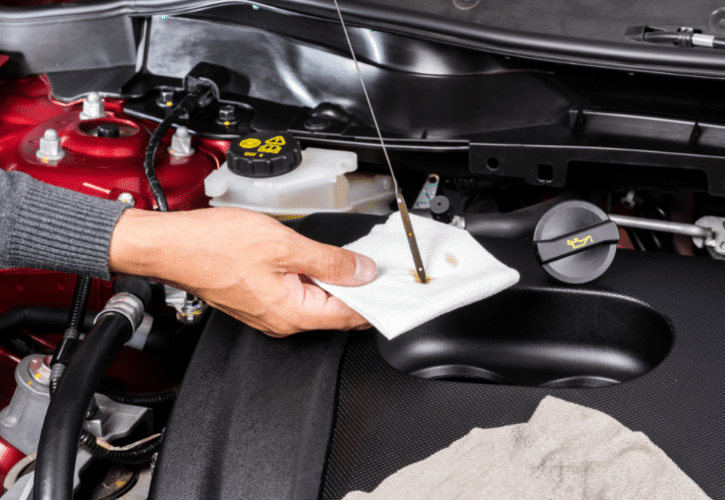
{"x": 192, "y": 101}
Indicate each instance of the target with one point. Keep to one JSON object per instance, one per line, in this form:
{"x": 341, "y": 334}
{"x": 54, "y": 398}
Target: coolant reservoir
{"x": 268, "y": 172}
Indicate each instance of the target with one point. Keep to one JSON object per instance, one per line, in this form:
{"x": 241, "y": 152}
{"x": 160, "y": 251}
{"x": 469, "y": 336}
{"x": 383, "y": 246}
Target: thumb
{"x": 336, "y": 266}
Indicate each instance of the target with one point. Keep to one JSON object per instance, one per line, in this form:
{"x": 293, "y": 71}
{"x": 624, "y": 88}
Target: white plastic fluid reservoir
{"x": 325, "y": 181}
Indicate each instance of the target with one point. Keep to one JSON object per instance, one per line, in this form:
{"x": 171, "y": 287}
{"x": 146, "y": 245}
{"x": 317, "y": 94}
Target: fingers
{"x": 305, "y": 307}
{"x": 331, "y": 264}
{"x": 314, "y": 309}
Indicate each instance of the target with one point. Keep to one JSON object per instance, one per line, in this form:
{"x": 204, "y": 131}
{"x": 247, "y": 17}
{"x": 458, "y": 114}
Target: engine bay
{"x": 603, "y": 187}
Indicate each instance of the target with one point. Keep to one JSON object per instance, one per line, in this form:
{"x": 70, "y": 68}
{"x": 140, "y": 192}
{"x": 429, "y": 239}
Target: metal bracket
{"x": 715, "y": 245}
{"x": 189, "y": 309}
{"x": 429, "y": 191}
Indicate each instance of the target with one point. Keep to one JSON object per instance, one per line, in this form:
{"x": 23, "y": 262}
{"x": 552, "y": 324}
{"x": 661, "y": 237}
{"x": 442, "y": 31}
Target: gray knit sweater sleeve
{"x": 47, "y": 227}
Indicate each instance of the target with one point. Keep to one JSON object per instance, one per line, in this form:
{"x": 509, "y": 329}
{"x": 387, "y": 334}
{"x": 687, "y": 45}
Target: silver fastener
{"x": 50, "y": 148}
{"x": 39, "y": 369}
{"x": 127, "y": 198}
{"x": 189, "y": 309}
{"x": 92, "y": 107}
{"x": 166, "y": 98}
{"x": 181, "y": 143}
{"x": 227, "y": 113}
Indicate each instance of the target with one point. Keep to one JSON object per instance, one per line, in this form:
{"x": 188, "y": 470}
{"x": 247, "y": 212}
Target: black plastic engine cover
{"x": 258, "y": 417}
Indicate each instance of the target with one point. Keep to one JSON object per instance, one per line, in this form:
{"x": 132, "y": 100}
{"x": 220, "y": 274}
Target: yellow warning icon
{"x": 578, "y": 243}
{"x": 273, "y": 145}
{"x": 250, "y": 143}
{"x": 279, "y": 140}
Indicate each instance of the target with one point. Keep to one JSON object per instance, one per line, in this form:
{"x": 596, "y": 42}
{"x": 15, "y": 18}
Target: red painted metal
{"x": 131, "y": 370}
{"x": 9, "y": 455}
{"x": 8, "y": 362}
{"x": 22, "y": 287}
{"x": 99, "y": 167}
{"x": 95, "y": 166}
{"x": 92, "y": 165}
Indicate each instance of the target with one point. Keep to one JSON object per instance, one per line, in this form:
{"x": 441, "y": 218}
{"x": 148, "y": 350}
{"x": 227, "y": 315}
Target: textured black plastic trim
{"x": 552, "y": 48}
{"x": 387, "y": 420}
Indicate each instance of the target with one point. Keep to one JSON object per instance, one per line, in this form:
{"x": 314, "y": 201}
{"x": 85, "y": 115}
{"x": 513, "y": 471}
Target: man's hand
{"x": 243, "y": 263}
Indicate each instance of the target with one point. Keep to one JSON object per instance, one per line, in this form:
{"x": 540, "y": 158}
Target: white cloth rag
{"x": 565, "y": 452}
{"x": 461, "y": 272}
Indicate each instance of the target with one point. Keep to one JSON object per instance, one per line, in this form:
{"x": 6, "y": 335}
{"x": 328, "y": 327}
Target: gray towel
{"x": 565, "y": 452}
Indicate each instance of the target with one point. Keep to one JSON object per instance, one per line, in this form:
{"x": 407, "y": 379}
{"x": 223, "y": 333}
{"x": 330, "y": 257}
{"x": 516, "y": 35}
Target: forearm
{"x": 243, "y": 263}
{"x": 159, "y": 245}
{"x": 46, "y": 227}
{"x": 138, "y": 242}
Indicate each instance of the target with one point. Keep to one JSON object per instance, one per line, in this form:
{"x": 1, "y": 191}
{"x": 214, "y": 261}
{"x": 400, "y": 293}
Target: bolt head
{"x": 166, "y": 98}
{"x": 127, "y": 198}
{"x": 227, "y": 113}
{"x": 317, "y": 123}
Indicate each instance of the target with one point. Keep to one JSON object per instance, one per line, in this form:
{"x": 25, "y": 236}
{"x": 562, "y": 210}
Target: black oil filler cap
{"x": 575, "y": 241}
{"x": 264, "y": 154}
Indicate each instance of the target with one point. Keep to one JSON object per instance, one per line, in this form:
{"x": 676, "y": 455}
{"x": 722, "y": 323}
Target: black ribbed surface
{"x": 387, "y": 420}
{"x": 48, "y": 227}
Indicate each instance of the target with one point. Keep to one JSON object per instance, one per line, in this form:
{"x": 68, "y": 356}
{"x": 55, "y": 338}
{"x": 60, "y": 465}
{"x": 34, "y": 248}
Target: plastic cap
{"x": 575, "y": 241}
{"x": 264, "y": 154}
{"x": 109, "y": 130}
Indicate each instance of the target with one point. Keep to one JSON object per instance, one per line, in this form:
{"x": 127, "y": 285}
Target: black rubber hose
{"x": 37, "y": 318}
{"x": 517, "y": 224}
{"x": 187, "y": 105}
{"x": 131, "y": 457}
{"x": 61, "y": 431}
{"x": 140, "y": 399}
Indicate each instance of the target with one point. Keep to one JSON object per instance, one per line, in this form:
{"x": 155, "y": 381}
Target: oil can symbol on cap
{"x": 578, "y": 243}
